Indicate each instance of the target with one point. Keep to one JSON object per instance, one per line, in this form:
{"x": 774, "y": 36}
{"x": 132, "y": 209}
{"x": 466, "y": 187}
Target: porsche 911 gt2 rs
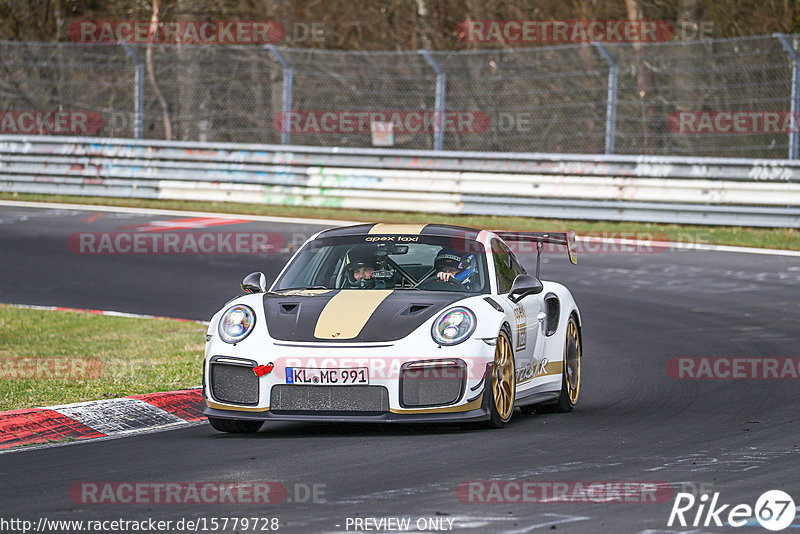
{"x": 396, "y": 322}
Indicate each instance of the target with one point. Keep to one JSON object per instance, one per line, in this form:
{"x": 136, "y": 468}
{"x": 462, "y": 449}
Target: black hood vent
{"x": 289, "y": 307}
{"x": 415, "y": 309}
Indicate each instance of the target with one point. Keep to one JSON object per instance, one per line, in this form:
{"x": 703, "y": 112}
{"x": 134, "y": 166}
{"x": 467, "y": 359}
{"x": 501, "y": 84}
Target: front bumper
{"x": 475, "y": 409}
{"x": 479, "y": 413}
{"x": 236, "y": 392}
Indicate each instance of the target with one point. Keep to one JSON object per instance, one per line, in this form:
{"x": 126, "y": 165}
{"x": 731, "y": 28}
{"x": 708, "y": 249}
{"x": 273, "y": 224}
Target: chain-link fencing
{"x": 723, "y": 97}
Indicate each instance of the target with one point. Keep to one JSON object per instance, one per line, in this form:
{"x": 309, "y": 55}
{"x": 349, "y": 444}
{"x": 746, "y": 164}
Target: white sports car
{"x": 385, "y": 322}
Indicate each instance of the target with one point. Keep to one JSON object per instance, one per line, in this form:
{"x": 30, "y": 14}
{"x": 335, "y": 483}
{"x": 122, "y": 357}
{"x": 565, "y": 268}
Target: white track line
{"x": 672, "y": 245}
{"x": 102, "y": 312}
{"x": 334, "y": 222}
{"x": 181, "y": 213}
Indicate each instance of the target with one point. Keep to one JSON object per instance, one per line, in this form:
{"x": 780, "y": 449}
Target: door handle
{"x": 541, "y": 316}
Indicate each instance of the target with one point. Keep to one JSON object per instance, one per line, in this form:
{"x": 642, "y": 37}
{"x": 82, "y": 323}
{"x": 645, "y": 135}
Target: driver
{"x": 447, "y": 264}
{"x": 359, "y": 270}
{"x": 454, "y": 268}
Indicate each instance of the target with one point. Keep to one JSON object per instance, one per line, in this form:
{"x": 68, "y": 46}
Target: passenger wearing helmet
{"x": 453, "y": 268}
{"x": 359, "y": 269}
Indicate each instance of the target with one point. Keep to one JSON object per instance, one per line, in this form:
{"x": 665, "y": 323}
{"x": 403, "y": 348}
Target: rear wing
{"x": 566, "y": 239}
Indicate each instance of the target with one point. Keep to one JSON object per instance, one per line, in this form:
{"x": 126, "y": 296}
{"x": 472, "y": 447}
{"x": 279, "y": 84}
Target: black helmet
{"x": 447, "y": 257}
{"x": 465, "y": 265}
{"x": 361, "y": 256}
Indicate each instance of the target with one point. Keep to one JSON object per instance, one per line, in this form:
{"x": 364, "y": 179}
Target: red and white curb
{"x": 100, "y": 419}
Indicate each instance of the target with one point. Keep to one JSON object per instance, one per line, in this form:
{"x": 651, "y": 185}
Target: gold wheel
{"x": 572, "y": 368}
{"x": 503, "y": 378}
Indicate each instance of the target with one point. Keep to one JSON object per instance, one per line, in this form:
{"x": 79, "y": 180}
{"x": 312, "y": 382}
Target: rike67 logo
{"x": 774, "y": 510}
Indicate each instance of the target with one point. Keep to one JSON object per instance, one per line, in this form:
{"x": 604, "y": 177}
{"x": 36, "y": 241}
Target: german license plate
{"x": 327, "y": 377}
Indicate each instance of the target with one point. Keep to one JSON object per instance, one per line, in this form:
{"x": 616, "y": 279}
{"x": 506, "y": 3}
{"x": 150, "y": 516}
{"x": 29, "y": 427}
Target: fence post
{"x": 441, "y": 86}
{"x": 794, "y": 105}
{"x": 138, "y": 90}
{"x": 611, "y": 99}
{"x": 287, "y": 91}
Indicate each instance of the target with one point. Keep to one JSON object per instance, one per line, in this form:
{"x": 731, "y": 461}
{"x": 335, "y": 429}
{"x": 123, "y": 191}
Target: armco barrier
{"x": 724, "y": 191}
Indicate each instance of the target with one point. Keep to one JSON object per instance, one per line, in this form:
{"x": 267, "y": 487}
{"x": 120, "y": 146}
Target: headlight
{"x": 236, "y": 323}
{"x": 453, "y": 326}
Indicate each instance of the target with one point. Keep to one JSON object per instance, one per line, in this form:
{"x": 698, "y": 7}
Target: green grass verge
{"x": 57, "y": 357}
{"x": 780, "y": 238}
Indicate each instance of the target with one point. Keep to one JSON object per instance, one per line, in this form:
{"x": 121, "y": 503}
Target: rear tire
{"x": 503, "y": 383}
{"x": 235, "y": 426}
{"x": 571, "y": 375}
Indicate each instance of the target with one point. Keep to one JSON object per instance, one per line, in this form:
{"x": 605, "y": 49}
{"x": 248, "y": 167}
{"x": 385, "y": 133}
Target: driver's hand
{"x": 444, "y": 277}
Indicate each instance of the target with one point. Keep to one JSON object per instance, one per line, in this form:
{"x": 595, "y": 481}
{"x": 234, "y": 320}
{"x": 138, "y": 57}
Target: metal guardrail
{"x": 719, "y": 191}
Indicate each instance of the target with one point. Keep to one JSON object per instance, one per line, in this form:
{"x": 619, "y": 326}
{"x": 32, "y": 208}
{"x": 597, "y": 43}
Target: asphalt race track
{"x": 634, "y": 423}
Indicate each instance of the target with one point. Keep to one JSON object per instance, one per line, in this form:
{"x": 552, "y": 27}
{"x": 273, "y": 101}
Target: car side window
{"x": 503, "y": 266}
{"x": 516, "y": 266}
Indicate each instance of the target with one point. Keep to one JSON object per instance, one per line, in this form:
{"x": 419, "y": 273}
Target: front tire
{"x": 235, "y": 426}
{"x": 571, "y": 375}
{"x": 504, "y": 383}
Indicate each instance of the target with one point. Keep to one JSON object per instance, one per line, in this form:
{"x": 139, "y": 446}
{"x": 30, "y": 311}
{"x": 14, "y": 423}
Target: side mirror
{"x": 255, "y": 283}
{"x": 524, "y": 285}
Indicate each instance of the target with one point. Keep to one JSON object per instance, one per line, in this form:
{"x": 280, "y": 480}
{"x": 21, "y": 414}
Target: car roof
{"x": 444, "y": 230}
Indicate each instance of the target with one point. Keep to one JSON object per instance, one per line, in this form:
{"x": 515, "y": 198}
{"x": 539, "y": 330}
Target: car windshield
{"x": 433, "y": 263}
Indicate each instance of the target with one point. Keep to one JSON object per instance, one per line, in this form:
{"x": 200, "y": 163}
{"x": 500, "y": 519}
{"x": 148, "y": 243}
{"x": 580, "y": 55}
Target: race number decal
{"x": 522, "y": 327}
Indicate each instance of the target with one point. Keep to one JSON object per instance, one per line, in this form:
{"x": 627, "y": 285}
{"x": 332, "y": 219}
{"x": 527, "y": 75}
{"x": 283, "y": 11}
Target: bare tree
{"x": 152, "y": 75}
{"x": 643, "y": 76}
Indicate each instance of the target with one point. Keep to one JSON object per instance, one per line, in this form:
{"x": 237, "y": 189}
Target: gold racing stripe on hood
{"x": 388, "y": 228}
{"x": 347, "y": 312}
